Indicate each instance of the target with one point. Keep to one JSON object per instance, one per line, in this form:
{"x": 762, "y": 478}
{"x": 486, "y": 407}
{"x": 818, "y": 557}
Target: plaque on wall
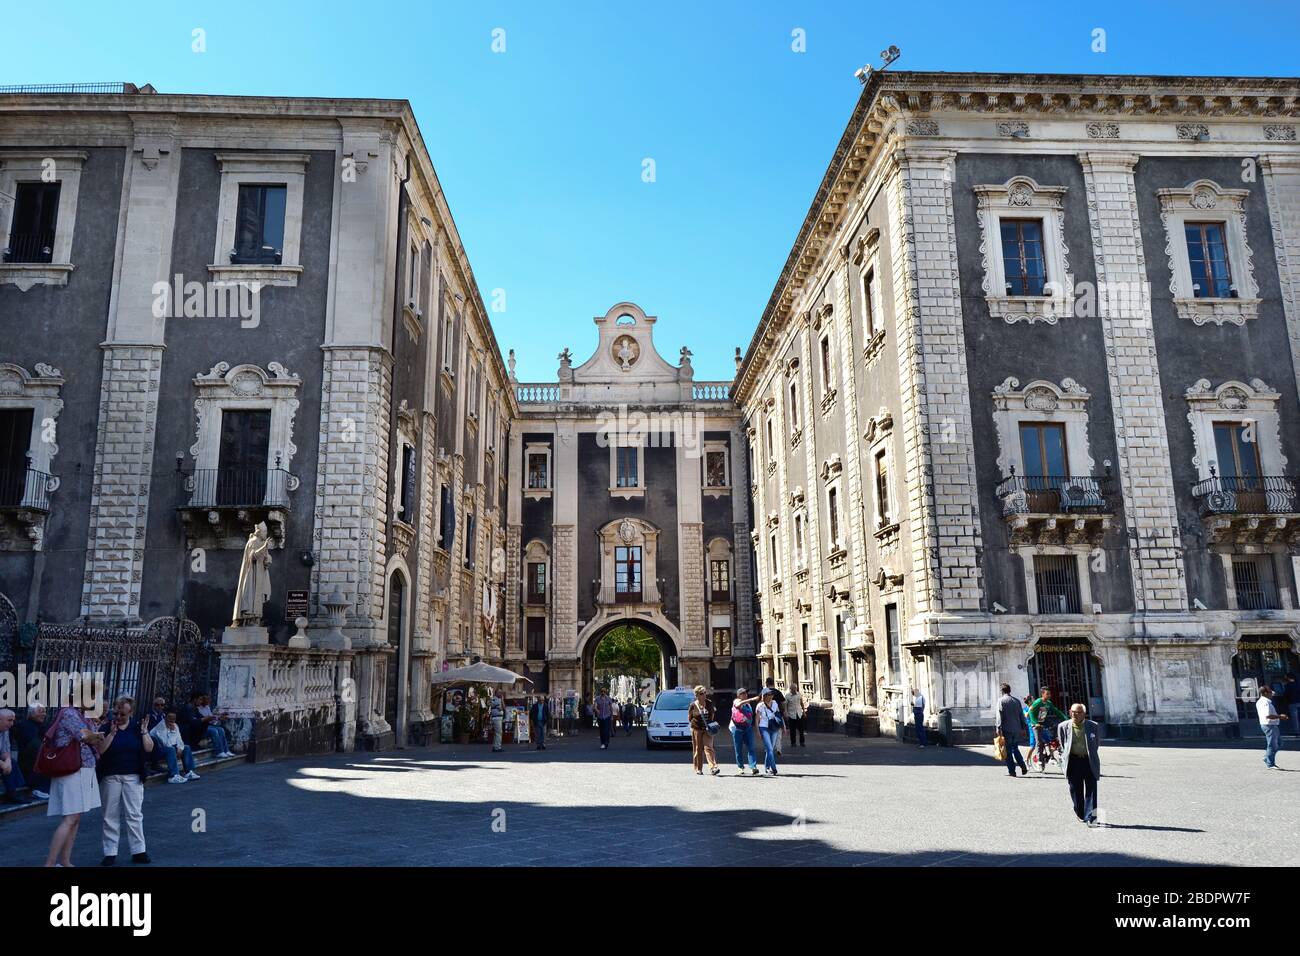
{"x": 295, "y": 605}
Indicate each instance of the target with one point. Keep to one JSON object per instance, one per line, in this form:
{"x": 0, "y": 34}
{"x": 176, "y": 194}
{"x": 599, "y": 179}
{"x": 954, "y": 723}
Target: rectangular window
{"x": 722, "y": 642}
{"x": 833, "y": 514}
{"x": 1238, "y": 453}
{"x": 538, "y": 478}
{"x": 1252, "y": 577}
{"x": 407, "y": 512}
{"x": 469, "y": 540}
{"x": 446, "y": 519}
{"x": 884, "y": 500}
{"x": 627, "y": 574}
{"x": 869, "y": 304}
{"x": 536, "y": 638}
{"x": 771, "y": 442}
{"x": 720, "y": 580}
{"x": 775, "y": 554}
{"x": 31, "y": 233}
{"x": 242, "y": 463}
{"x": 799, "y": 554}
{"x": 537, "y": 582}
{"x": 895, "y": 647}
{"x": 259, "y": 225}
{"x": 1022, "y": 256}
{"x": 827, "y": 376}
{"x": 413, "y": 277}
{"x": 1056, "y": 581}
{"x": 15, "y": 444}
{"x": 794, "y": 404}
{"x": 626, "y": 462}
{"x": 840, "y": 648}
{"x": 1042, "y": 449}
{"x": 715, "y": 469}
{"x": 1207, "y": 254}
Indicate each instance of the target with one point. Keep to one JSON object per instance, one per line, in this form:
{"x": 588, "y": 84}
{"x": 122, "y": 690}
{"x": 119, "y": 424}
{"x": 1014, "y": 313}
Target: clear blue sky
{"x": 540, "y": 148}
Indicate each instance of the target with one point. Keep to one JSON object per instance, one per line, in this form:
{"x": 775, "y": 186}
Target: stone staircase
{"x": 204, "y": 762}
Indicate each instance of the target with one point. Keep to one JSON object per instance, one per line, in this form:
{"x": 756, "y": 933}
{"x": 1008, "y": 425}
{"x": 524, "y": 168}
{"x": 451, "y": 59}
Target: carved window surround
{"x": 1235, "y": 401}
{"x": 629, "y": 532}
{"x": 20, "y": 389}
{"x": 538, "y": 449}
{"x": 277, "y": 169}
{"x": 1205, "y": 201}
{"x": 1022, "y": 198}
{"x": 1042, "y": 401}
{"x": 716, "y": 491}
{"x": 407, "y": 432}
{"x": 27, "y": 166}
{"x": 537, "y": 552}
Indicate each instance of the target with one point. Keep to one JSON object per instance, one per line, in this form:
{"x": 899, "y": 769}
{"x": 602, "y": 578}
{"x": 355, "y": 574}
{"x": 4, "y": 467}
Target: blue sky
{"x": 540, "y": 148}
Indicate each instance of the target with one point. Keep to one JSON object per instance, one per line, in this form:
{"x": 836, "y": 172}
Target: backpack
{"x": 739, "y": 717}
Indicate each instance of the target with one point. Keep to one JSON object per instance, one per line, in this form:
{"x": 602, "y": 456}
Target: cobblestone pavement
{"x": 842, "y": 801}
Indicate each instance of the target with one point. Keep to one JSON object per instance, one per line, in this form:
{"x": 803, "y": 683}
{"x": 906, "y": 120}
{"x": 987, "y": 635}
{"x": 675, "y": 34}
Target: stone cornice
{"x": 888, "y": 96}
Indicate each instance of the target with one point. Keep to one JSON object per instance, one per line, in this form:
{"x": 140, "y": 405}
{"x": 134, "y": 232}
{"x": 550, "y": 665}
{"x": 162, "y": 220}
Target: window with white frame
{"x": 627, "y": 467}
{"x": 872, "y": 320}
{"x": 413, "y": 278}
{"x": 448, "y": 341}
{"x": 774, "y": 553}
{"x": 717, "y": 467}
{"x": 1211, "y": 273}
{"x": 405, "y": 485}
{"x": 883, "y": 488}
{"x": 827, "y": 364}
{"x": 38, "y": 215}
{"x": 1236, "y": 434}
{"x": 833, "y": 524}
{"x": 1042, "y": 432}
{"x": 1026, "y": 262}
{"x": 259, "y": 217}
{"x": 537, "y": 470}
{"x": 800, "y": 540}
{"x": 29, "y": 412}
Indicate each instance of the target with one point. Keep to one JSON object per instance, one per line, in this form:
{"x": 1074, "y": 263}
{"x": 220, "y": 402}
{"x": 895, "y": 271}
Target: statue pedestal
{"x": 245, "y": 635}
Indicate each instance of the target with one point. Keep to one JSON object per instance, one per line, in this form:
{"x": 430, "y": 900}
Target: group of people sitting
{"x": 177, "y": 730}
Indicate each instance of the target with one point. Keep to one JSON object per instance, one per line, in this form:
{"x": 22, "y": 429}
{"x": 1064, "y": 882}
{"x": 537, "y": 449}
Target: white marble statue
{"x": 254, "y": 579}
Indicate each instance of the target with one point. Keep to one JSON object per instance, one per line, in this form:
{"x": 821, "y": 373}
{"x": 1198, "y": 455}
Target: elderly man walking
{"x": 1079, "y": 738}
{"x": 1013, "y": 729}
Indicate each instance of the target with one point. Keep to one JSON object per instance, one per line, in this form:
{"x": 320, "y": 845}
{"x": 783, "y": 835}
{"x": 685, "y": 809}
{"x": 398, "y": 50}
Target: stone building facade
{"x": 1022, "y": 402}
{"x": 623, "y": 506}
{"x": 225, "y": 311}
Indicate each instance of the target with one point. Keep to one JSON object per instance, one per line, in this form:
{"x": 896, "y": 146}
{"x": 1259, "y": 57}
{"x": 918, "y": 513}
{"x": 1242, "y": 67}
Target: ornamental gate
{"x": 168, "y": 658}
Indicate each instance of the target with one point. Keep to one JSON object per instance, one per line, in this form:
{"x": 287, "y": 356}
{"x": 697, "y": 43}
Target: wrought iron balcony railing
{"x": 238, "y": 488}
{"x": 1056, "y": 494}
{"x": 1255, "y": 495}
{"x": 22, "y": 486}
{"x": 30, "y": 247}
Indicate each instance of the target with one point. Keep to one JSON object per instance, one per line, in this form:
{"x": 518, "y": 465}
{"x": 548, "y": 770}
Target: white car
{"x": 667, "y": 722}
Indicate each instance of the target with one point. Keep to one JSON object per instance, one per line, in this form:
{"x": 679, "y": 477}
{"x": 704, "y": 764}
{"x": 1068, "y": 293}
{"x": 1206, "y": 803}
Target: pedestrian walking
{"x": 1270, "y": 721}
{"x": 1026, "y": 701}
{"x": 629, "y": 715}
{"x": 742, "y": 730}
{"x": 539, "y": 713}
{"x": 1291, "y": 702}
{"x": 496, "y": 714}
{"x": 769, "y": 719}
{"x": 604, "y": 710}
{"x": 794, "y": 718}
{"x": 1013, "y": 729}
{"x": 122, "y": 768}
{"x": 779, "y": 699}
{"x": 704, "y": 724}
{"x": 1079, "y": 738}
{"x": 918, "y": 715}
{"x": 71, "y": 793}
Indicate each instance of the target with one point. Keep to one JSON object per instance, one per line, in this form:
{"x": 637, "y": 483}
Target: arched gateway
{"x": 628, "y": 507}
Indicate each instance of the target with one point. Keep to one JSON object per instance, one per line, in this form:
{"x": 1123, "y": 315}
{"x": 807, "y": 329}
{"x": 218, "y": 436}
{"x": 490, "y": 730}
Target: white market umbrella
{"x": 479, "y": 673}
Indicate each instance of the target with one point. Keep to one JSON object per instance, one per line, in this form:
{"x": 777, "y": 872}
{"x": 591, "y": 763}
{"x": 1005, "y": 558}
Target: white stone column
{"x": 690, "y": 545}
{"x": 942, "y": 497}
{"x": 1150, "y": 508}
{"x": 564, "y": 551}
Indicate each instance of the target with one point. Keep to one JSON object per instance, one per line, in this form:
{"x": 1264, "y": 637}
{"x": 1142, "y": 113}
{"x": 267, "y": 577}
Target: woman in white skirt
{"x": 74, "y": 794}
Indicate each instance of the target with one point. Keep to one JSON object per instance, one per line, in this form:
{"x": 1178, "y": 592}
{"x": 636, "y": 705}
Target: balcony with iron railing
{"x": 32, "y": 247}
{"x": 220, "y": 506}
{"x": 1254, "y": 509}
{"x": 1057, "y": 509}
{"x": 23, "y": 488}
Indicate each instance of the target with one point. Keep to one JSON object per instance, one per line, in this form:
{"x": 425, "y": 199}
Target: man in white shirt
{"x": 168, "y": 734}
{"x": 918, "y": 712}
{"x": 1271, "y": 723}
{"x": 794, "y": 717}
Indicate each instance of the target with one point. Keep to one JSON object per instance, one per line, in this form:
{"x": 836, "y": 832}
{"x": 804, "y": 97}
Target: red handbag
{"x": 52, "y": 761}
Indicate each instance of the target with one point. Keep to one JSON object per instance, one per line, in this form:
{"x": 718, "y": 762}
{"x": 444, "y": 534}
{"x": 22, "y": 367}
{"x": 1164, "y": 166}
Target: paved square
{"x": 843, "y": 801}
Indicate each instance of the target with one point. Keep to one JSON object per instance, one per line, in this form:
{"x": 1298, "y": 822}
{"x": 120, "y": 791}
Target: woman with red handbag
{"x": 67, "y": 757}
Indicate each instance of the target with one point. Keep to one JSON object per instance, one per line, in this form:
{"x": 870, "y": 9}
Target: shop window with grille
{"x": 1056, "y": 581}
{"x": 1255, "y": 584}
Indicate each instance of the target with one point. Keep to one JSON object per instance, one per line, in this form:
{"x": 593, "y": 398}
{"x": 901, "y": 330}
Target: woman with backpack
{"x": 742, "y": 731}
{"x": 770, "y": 722}
{"x": 704, "y": 724}
{"x": 68, "y": 757}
